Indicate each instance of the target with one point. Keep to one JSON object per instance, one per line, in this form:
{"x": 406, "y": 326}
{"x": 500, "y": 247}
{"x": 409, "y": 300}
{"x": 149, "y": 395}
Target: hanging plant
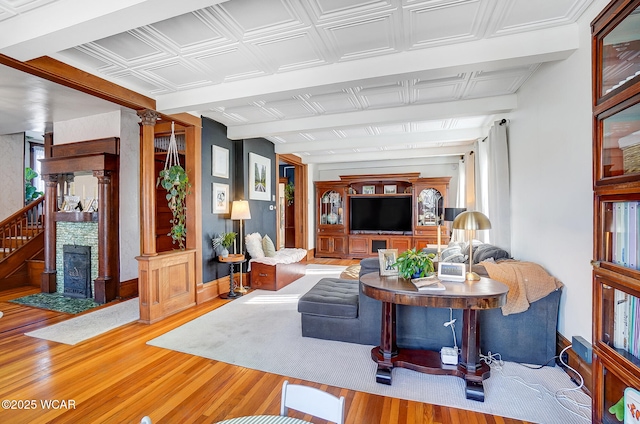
{"x": 174, "y": 179}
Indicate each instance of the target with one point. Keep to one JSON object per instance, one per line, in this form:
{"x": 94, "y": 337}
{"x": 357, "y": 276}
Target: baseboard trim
{"x": 576, "y": 362}
{"x": 128, "y": 289}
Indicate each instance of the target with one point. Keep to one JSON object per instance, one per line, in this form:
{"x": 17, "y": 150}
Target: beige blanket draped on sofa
{"x": 527, "y": 282}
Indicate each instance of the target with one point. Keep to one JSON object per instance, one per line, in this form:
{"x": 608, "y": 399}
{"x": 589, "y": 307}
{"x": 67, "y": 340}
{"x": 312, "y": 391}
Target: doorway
{"x": 292, "y": 202}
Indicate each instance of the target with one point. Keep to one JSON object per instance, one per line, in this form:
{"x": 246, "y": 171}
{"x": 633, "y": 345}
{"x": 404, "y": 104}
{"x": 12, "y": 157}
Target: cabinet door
{"x": 339, "y": 245}
{"x": 358, "y": 245}
{"x": 325, "y": 244}
{"x": 400, "y": 243}
{"x": 420, "y": 243}
{"x": 429, "y": 207}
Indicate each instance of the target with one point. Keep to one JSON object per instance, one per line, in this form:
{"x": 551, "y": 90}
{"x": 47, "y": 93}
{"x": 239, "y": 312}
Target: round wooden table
{"x": 470, "y": 296}
{"x": 232, "y": 260}
{"x": 263, "y": 419}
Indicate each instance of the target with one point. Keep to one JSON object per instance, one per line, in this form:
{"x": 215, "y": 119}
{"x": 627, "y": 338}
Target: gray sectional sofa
{"x": 337, "y": 309}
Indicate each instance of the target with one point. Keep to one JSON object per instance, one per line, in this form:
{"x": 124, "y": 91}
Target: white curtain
{"x": 492, "y": 186}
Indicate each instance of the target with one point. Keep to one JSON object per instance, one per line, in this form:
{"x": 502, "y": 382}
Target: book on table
{"x": 429, "y": 283}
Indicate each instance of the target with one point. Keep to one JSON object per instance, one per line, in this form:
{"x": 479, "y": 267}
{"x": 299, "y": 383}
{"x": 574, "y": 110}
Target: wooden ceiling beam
{"x": 60, "y": 73}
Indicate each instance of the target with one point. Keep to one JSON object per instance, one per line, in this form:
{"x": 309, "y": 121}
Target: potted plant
{"x": 289, "y": 190}
{"x": 224, "y": 240}
{"x": 30, "y": 191}
{"x": 175, "y": 180}
{"x": 414, "y": 264}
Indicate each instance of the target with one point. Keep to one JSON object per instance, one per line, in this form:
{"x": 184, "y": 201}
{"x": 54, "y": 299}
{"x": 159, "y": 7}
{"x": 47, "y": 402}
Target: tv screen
{"x": 391, "y": 213}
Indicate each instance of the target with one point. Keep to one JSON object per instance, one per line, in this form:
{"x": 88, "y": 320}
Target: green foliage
{"x": 289, "y": 190}
{"x": 176, "y": 182}
{"x": 30, "y": 191}
{"x": 225, "y": 240}
{"x": 412, "y": 261}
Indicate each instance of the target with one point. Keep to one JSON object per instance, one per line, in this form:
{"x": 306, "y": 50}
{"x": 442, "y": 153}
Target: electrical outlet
{"x": 565, "y": 358}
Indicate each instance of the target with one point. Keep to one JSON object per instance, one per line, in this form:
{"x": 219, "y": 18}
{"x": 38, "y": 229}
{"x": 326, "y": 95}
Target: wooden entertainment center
{"x": 335, "y": 236}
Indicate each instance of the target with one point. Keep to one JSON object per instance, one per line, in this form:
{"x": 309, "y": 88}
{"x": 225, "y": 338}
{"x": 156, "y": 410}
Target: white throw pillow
{"x": 254, "y": 245}
{"x": 268, "y": 247}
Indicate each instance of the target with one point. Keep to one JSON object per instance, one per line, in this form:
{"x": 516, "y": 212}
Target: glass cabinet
{"x": 331, "y": 208}
{"x": 429, "y": 207}
{"x": 616, "y": 148}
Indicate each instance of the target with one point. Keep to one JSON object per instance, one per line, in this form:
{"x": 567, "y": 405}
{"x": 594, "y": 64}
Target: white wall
{"x": 93, "y": 127}
{"x": 551, "y": 190}
{"x": 11, "y": 173}
{"x": 123, "y": 124}
{"x": 129, "y": 194}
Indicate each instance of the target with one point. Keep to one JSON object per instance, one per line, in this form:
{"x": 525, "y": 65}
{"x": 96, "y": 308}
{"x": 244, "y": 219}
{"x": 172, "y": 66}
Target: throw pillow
{"x": 254, "y": 245}
{"x": 450, "y": 251}
{"x": 457, "y": 258}
{"x": 268, "y": 247}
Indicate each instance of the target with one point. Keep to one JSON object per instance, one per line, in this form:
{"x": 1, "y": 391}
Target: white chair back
{"x": 145, "y": 420}
{"x": 312, "y": 401}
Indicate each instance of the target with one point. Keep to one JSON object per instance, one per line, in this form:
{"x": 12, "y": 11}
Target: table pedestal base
{"x": 428, "y": 362}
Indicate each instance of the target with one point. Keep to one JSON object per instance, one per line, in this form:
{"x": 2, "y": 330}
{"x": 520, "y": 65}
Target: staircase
{"x": 22, "y": 246}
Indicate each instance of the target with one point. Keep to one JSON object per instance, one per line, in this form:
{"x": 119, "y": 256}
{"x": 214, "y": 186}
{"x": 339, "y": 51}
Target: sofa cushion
{"x": 331, "y": 297}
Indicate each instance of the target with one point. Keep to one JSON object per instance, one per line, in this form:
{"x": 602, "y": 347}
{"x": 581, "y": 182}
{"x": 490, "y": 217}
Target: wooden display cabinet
{"x": 616, "y": 171}
{"x": 335, "y": 238}
{"x": 429, "y": 202}
{"x": 331, "y": 210}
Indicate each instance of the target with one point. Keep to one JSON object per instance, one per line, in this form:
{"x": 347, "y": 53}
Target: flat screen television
{"x": 392, "y": 214}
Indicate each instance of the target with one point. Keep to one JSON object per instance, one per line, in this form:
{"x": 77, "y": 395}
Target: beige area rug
{"x": 84, "y": 327}
{"x": 270, "y": 324}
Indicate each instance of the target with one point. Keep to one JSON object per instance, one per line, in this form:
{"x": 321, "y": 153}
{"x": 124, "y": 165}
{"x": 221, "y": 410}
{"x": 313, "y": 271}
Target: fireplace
{"x": 77, "y": 271}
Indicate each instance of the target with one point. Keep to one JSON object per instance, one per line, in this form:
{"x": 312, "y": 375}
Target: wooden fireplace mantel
{"x": 99, "y": 157}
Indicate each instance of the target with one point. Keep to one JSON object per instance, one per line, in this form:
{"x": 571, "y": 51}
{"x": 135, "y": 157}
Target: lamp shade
{"x": 450, "y": 214}
{"x": 472, "y": 220}
{"x": 240, "y": 210}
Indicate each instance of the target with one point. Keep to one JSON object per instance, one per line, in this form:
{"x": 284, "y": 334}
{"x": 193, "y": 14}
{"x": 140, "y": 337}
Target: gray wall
{"x": 263, "y": 220}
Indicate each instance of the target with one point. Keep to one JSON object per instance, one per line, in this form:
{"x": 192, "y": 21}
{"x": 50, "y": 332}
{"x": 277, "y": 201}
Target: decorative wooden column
{"x": 48, "y": 282}
{"x": 148, "y": 181}
{"x": 105, "y": 289}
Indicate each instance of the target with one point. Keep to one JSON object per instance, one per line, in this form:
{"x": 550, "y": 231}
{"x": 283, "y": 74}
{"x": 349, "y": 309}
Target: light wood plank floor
{"x": 117, "y": 378}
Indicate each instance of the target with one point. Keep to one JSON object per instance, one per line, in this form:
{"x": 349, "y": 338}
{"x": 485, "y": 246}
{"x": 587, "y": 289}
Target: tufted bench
{"x": 329, "y": 310}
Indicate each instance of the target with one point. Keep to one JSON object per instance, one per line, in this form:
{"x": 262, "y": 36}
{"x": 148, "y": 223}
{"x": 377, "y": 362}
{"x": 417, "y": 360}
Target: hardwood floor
{"x": 117, "y": 378}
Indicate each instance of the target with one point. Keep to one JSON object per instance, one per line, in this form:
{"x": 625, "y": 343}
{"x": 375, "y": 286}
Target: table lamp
{"x": 471, "y": 221}
{"x": 240, "y": 211}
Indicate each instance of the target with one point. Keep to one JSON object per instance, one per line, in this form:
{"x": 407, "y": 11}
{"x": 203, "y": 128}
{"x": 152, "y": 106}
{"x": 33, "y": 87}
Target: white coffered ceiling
{"x": 330, "y": 80}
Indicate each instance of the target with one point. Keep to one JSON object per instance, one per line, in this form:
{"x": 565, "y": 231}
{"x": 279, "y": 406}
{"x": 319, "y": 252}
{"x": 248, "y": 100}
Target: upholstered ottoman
{"x": 330, "y": 310}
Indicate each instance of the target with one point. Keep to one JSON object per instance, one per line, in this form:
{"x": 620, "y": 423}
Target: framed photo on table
{"x": 219, "y": 162}
{"x": 259, "y": 177}
{"x": 387, "y": 258}
{"x": 220, "y": 198}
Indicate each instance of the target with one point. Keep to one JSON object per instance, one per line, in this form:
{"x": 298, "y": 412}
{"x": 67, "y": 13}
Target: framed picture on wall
{"x": 259, "y": 177}
{"x": 219, "y": 162}
{"x": 220, "y": 198}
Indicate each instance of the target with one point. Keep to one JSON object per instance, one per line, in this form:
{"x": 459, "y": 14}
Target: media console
{"x": 360, "y": 214}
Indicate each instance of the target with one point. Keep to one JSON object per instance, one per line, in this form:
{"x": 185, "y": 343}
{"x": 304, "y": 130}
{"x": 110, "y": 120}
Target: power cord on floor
{"x": 494, "y": 360}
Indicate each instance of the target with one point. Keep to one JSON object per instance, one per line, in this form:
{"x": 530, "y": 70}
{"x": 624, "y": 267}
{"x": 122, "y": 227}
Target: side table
{"x": 232, "y": 260}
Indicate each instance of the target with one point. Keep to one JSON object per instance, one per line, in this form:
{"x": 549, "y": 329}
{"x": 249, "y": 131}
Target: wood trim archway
{"x": 300, "y": 196}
